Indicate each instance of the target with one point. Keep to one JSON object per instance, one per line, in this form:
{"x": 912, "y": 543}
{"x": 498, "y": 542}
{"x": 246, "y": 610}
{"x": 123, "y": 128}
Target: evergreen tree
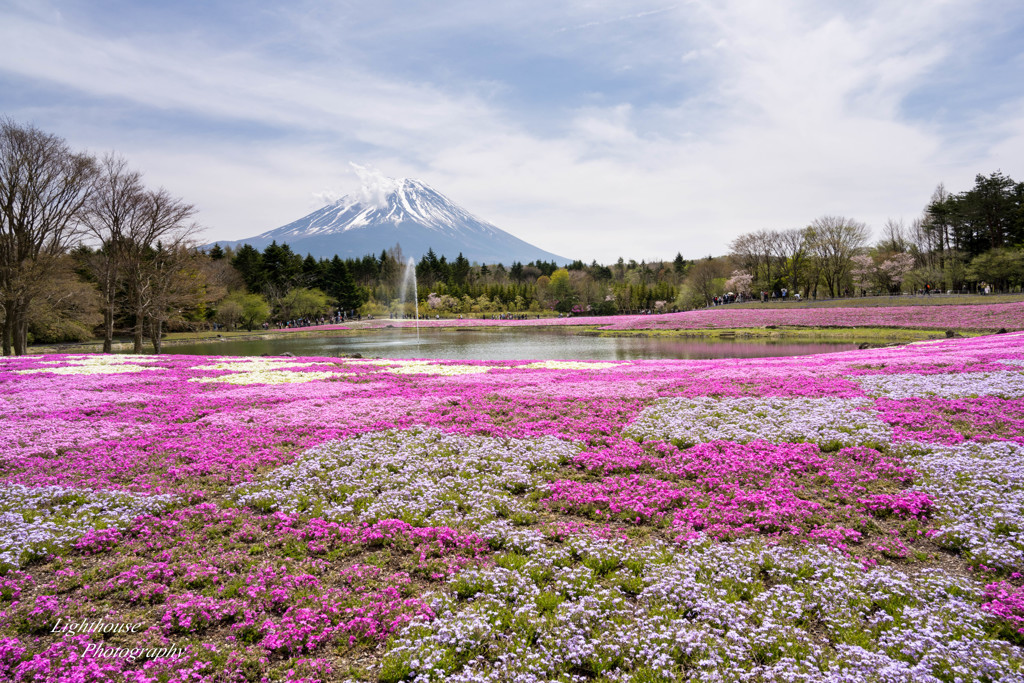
{"x": 312, "y": 275}
{"x": 988, "y": 216}
{"x": 460, "y": 270}
{"x": 679, "y": 264}
{"x": 249, "y": 264}
{"x": 281, "y": 266}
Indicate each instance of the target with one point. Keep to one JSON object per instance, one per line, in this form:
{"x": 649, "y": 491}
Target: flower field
{"x": 967, "y": 317}
{"x": 855, "y": 516}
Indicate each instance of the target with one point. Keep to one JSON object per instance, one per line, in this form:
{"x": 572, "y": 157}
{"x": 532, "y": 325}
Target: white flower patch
{"x": 94, "y": 365}
{"x": 570, "y": 365}
{"x": 927, "y": 342}
{"x": 36, "y": 521}
{"x": 979, "y": 493}
{"x": 383, "y": 361}
{"x": 422, "y": 477}
{"x": 1011, "y": 361}
{"x": 423, "y": 367}
{"x": 387, "y": 363}
{"x": 102, "y": 359}
{"x": 1007, "y": 384}
{"x": 259, "y": 364}
{"x": 268, "y": 377}
{"x": 266, "y": 371}
{"x": 825, "y": 421}
{"x": 441, "y": 370}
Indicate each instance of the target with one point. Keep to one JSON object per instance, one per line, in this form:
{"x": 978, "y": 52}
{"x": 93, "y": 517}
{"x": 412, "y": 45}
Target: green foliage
{"x": 988, "y": 216}
{"x": 249, "y": 264}
{"x": 239, "y": 308}
{"x": 562, "y": 291}
{"x": 301, "y": 302}
{"x": 1000, "y": 268}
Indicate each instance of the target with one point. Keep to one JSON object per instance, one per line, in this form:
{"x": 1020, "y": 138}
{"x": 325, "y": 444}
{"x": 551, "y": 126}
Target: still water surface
{"x": 507, "y": 344}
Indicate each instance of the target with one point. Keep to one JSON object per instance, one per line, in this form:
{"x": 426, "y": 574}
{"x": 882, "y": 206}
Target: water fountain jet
{"x": 410, "y": 276}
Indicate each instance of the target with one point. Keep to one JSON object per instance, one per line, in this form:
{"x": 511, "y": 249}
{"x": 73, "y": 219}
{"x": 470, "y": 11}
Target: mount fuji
{"x": 399, "y": 211}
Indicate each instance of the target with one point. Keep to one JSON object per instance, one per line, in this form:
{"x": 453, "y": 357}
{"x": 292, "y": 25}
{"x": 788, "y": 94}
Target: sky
{"x": 592, "y": 129}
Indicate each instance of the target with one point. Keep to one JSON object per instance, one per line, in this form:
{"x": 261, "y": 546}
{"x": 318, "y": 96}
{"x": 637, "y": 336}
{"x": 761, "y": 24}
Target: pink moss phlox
{"x": 953, "y": 421}
{"x": 903, "y": 504}
{"x": 13, "y": 583}
{"x": 98, "y": 541}
{"x": 1005, "y": 601}
{"x": 727, "y": 489}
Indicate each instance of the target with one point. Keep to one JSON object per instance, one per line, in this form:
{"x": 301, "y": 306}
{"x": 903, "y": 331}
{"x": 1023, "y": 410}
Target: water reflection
{"x": 507, "y": 344}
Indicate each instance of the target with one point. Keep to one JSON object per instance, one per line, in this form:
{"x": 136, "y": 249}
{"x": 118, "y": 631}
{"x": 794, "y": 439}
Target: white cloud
{"x": 766, "y": 115}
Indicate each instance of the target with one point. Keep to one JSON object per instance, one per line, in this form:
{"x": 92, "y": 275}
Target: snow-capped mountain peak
{"x": 388, "y": 211}
{"x": 405, "y": 201}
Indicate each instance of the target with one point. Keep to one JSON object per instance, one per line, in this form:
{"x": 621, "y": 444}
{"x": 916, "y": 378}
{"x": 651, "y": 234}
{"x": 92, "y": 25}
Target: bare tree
{"x": 44, "y": 187}
{"x": 760, "y": 253}
{"x": 164, "y": 228}
{"x": 895, "y": 237}
{"x": 794, "y": 249}
{"x": 835, "y": 240}
{"x": 705, "y": 278}
{"x": 117, "y": 213}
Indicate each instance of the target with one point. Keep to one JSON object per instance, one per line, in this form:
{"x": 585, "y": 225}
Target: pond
{"x": 506, "y": 344}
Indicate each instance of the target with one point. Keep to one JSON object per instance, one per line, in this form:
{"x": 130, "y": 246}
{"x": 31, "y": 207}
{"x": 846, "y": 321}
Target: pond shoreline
{"x": 872, "y": 337}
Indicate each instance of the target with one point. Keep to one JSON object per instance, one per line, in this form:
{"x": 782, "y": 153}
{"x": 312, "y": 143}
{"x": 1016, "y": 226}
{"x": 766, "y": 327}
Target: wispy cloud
{"x": 680, "y": 126}
{"x": 615, "y": 20}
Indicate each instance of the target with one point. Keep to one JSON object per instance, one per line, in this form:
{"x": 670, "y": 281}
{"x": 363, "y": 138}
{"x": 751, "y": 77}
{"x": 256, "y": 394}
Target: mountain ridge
{"x": 402, "y": 211}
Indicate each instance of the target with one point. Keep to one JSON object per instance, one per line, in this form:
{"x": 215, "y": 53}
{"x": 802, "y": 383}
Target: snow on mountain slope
{"x": 399, "y": 211}
{"x": 409, "y": 202}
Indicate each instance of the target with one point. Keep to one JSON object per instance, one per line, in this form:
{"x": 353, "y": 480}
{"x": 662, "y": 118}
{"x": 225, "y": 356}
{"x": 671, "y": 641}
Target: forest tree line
{"x": 88, "y": 250}
{"x": 961, "y": 242}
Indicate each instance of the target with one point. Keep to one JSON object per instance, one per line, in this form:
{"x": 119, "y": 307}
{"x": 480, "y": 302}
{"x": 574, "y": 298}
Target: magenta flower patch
{"x": 832, "y": 516}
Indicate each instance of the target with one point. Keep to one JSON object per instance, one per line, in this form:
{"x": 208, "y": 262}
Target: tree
{"x": 220, "y": 278}
{"x": 561, "y": 290}
{"x": 793, "y": 249}
{"x": 679, "y": 264}
{"x": 282, "y": 269}
{"x": 44, "y": 187}
{"x": 427, "y": 269}
{"x": 988, "y": 216}
{"x": 312, "y": 273}
{"x": 162, "y": 232}
{"x": 706, "y": 280}
{"x": 762, "y": 254}
{"x": 880, "y": 272}
{"x": 255, "y": 310}
{"x": 833, "y": 242}
{"x": 239, "y": 308}
{"x": 303, "y": 302}
{"x": 1001, "y": 268}
{"x": 341, "y": 287}
{"x": 116, "y": 214}
{"x": 229, "y": 311}
{"x": 177, "y": 286}
{"x": 66, "y": 309}
{"x": 895, "y": 237}
{"x": 460, "y": 270}
{"x": 249, "y": 263}
{"x": 739, "y": 283}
